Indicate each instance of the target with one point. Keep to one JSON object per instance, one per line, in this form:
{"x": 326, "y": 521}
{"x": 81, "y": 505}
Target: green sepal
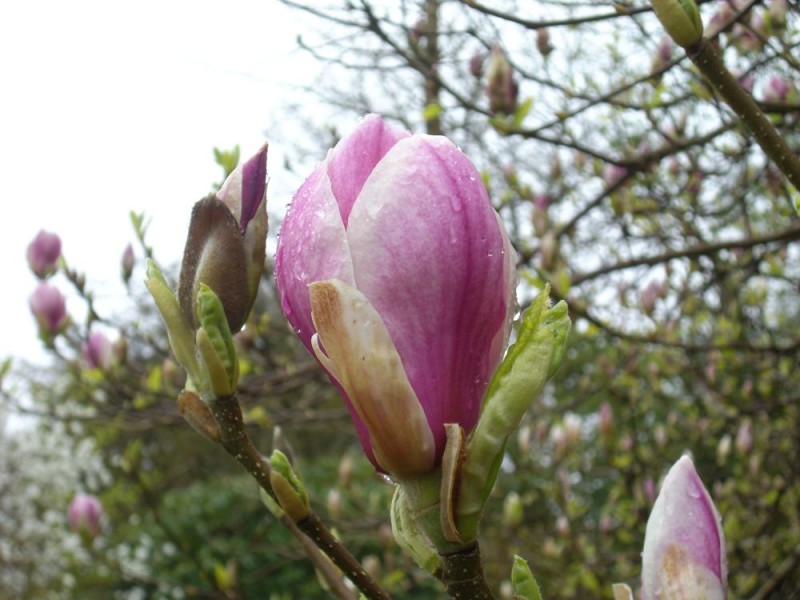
{"x": 529, "y": 363}
{"x": 523, "y": 583}
{"x": 409, "y": 536}
{"x": 681, "y": 20}
{"x": 181, "y": 335}
{"x": 271, "y": 504}
{"x": 288, "y": 488}
{"x": 622, "y": 591}
{"x": 215, "y": 343}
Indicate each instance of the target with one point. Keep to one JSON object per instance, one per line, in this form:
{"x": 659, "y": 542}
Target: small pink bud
{"x": 84, "y": 514}
{"x": 605, "y": 422}
{"x": 476, "y": 64}
{"x": 777, "y": 89}
{"x": 778, "y": 9}
{"x": 649, "y": 488}
{"x": 684, "y": 548}
{"x": 43, "y": 254}
{"x": 97, "y": 351}
{"x": 663, "y": 53}
{"x": 501, "y": 87}
{"x": 128, "y": 260}
{"x": 543, "y": 44}
{"x": 744, "y": 437}
{"x": 50, "y": 309}
{"x": 612, "y": 174}
{"x": 649, "y": 295}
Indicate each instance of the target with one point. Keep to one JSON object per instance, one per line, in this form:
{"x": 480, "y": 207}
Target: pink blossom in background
{"x": 684, "y": 548}
{"x": 97, "y": 351}
{"x": 49, "y": 307}
{"x": 84, "y": 514}
{"x": 43, "y": 254}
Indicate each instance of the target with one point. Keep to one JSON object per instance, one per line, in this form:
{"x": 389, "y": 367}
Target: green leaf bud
{"x": 681, "y": 20}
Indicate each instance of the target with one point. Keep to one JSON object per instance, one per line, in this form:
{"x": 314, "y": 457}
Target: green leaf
{"x": 522, "y": 111}
{"x": 528, "y": 364}
{"x": 523, "y": 582}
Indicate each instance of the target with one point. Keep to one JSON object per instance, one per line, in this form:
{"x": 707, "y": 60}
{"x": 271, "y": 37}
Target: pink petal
{"x": 352, "y": 160}
{"x": 429, "y": 254}
{"x": 316, "y": 250}
{"x": 683, "y": 531}
{"x": 360, "y": 355}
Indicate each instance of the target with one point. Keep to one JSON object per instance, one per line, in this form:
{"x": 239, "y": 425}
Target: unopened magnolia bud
{"x": 684, "y": 548}
{"x": 97, "y": 351}
{"x": 501, "y": 86}
{"x": 128, "y": 260}
{"x": 778, "y": 9}
{"x": 476, "y": 64}
{"x": 649, "y": 488}
{"x": 543, "y": 44}
{"x": 744, "y": 437}
{"x": 49, "y": 307}
{"x": 605, "y": 422}
{"x": 84, "y": 515}
{"x": 43, "y": 254}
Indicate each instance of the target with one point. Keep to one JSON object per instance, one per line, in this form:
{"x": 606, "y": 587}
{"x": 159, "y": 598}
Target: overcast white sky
{"x": 110, "y": 106}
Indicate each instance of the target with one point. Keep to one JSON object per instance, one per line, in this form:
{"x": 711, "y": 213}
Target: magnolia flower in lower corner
{"x": 684, "y": 547}
{"x": 84, "y": 514}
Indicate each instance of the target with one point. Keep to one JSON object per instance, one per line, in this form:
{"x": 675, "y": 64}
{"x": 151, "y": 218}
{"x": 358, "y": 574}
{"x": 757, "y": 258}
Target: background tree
{"x": 625, "y": 182}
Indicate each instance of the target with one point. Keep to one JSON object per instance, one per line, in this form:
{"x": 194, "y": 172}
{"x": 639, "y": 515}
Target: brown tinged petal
{"x": 354, "y": 345}
{"x": 214, "y": 255}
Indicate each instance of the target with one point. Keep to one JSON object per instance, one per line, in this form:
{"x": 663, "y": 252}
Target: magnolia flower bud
{"x": 684, "y": 548}
{"x": 777, "y": 89}
{"x": 127, "y": 263}
{"x": 501, "y": 87}
{"x": 744, "y": 437}
{"x": 385, "y": 209}
{"x": 49, "y": 307}
{"x": 543, "y": 44}
{"x": 476, "y": 64}
{"x": 97, "y": 351}
{"x": 225, "y": 248}
{"x": 43, "y": 254}
{"x": 84, "y": 515}
{"x": 605, "y": 422}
